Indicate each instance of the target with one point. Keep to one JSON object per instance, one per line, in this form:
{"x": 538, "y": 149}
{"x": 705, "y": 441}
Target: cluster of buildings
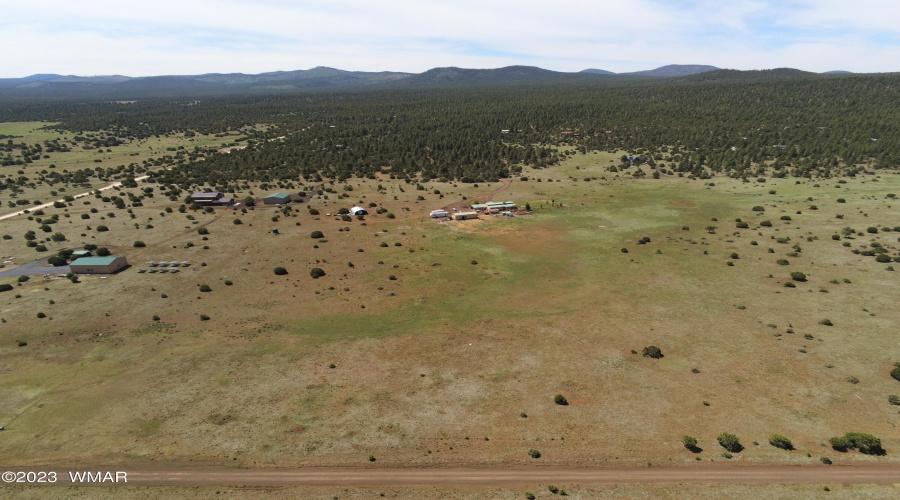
{"x": 494, "y": 207}
{"x": 491, "y": 207}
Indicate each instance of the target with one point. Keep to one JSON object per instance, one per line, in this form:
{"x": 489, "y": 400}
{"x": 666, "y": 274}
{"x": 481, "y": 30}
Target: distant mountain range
{"x": 323, "y": 78}
{"x": 672, "y": 70}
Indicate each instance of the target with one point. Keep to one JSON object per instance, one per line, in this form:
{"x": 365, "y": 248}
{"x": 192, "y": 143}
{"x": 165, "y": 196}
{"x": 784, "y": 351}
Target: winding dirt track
{"x": 359, "y": 477}
{"x": 82, "y": 195}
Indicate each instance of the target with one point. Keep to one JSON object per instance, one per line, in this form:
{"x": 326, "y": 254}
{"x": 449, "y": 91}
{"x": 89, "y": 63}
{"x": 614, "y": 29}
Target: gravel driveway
{"x": 34, "y": 268}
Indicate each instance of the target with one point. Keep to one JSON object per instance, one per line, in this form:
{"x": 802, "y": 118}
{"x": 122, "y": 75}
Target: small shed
{"x": 358, "y": 211}
{"x": 81, "y": 253}
{"x": 98, "y": 265}
{"x": 277, "y": 199}
{"x": 465, "y": 215}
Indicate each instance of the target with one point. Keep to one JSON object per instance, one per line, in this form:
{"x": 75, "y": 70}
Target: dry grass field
{"x": 444, "y": 344}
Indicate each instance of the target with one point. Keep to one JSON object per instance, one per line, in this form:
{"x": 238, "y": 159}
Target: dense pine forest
{"x": 741, "y": 124}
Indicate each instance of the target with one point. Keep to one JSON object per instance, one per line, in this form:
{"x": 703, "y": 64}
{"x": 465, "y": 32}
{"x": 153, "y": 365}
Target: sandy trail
{"x": 510, "y": 476}
{"x": 82, "y": 195}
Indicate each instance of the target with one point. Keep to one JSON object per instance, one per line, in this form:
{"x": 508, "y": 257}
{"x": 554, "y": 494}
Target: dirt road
{"x": 82, "y": 195}
{"x": 360, "y": 477}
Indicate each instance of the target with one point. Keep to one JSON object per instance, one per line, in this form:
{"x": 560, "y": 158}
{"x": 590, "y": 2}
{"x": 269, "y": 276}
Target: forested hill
{"x": 743, "y": 124}
{"x": 213, "y": 84}
{"x": 118, "y": 87}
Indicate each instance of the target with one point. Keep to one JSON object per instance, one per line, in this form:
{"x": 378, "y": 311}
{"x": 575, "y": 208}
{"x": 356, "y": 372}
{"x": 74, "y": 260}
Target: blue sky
{"x": 141, "y": 38}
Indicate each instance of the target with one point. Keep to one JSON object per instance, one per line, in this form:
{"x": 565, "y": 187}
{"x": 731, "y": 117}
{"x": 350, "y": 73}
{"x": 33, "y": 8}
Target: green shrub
{"x": 139, "y": 244}
{"x": 871, "y": 230}
{"x": 779, "y": 441}
{"x": 316, "y": 235}
{"x": 316, "y": 273}
{"x": 202, "y": 230}
{"x": 57, "y": 260}
{"x": 742, "y": 225}
{"x": 236, "y": 222}
{"x": 228, "y": 282}
{"x": 652, "y": 351}
{"x": 865, "y": 443}
{"x": 383, "y": 244}
{"x": 883, "y": 257}
{"x": 735, "y": 256}
{"x": 782, "y": 262}
{"x": 730, "y": 442}
{"x": 766, "y": 223}
{"x": 690, "y": 443}
{"x": 5, "y": 287}
{"x": 280, "y": 271}
{"x": 204, "y": 317}
{"x": 785, "y": 217}
{"x": 894, "y": 399}
{"x": 534, "y": 453}
{"x": 896, "y": 373}
{"x": 798, "y": 276}
{"x": 826, "y": 322}
{"x": 205, "y": 288}
{"x": 23, "y": 279}
{"x": 103, "y": 252}
{"x": 102, "y": 229}
{"x": 41, "y": 315}
{"x": 758, "y": 208}
{"x": 560, "y": 400}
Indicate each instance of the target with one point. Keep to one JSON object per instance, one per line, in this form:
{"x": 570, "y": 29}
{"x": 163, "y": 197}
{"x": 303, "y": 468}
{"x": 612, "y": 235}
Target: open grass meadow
{"x": 430, "y": 343}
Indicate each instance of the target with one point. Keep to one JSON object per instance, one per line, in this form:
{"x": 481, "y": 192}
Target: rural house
{"x": 207, "y": 198}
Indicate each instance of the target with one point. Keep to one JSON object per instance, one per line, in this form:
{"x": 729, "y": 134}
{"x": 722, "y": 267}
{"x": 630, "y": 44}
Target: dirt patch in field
{"x": 541, "y": 240}
{"x": 682, "y": 204}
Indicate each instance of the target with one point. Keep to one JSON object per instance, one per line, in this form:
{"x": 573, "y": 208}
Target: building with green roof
{"x": 277, "y": 199}
{"x": 98, "y": 265}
